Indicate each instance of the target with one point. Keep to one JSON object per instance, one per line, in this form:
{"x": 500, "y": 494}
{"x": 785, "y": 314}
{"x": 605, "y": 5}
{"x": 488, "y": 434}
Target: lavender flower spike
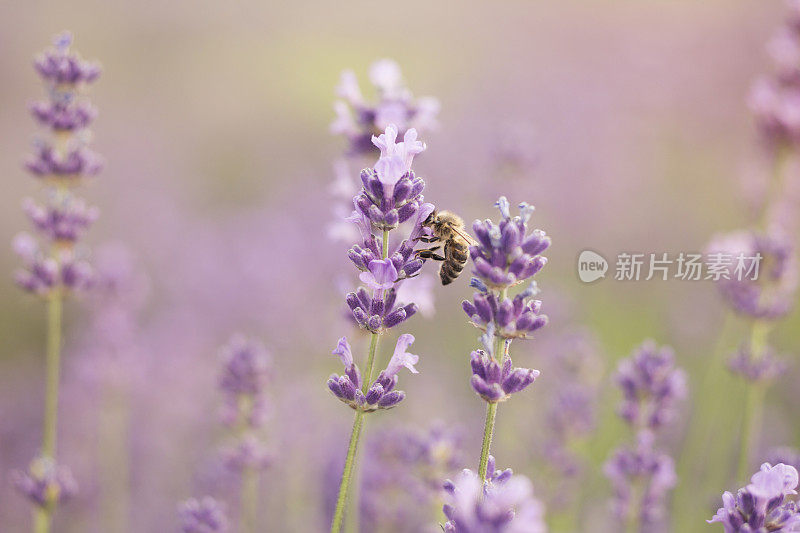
{"x": 359, "y": 120}
{"x": 52, "y": 265}
{"x": 762, "y": 505}
{"x": 503, "y": 505}
{"x": 45, "y": 484}
{"x": 203, "y": 516}
{"x": 505, "y": 255}
{"x": 391, "y": 196}
{"x": 651, "y": 386}
{"x": 246, "y": 372}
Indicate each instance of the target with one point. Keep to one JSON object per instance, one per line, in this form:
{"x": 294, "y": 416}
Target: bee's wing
{"x": 466, "y": 236}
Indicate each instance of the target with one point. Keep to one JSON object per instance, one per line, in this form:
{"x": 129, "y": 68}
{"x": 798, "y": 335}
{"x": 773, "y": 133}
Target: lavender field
{"x": 507, "y": 267}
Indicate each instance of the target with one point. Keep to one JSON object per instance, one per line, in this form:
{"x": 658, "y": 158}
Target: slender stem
{"x": 385, "y": 244}
{"x": 488, "y": 432}
{"x": 349, "y": 463}
{"x": 373, "y": 348}
{"x": 249, "y": 500}
{"x": 52, "y": 370}
{"x": 632, "y": 522}
{"x": 751, "y": 423}
{"x": 42, "y": 519}
{"x": 500, "y": 346}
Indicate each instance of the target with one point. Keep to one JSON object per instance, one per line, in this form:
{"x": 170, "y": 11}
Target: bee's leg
{"x": 429, "y": 254}
{"x": 427, "y": 239}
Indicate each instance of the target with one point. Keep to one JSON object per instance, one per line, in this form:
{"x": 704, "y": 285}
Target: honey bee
{"x": 447, "y": 228}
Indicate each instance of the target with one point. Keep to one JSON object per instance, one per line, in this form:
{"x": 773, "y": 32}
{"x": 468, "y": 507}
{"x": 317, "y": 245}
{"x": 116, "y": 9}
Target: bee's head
{"x": 431, "y": 218}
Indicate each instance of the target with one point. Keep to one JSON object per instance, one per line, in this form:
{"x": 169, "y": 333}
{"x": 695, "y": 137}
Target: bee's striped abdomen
{"x": 455, "y": 257}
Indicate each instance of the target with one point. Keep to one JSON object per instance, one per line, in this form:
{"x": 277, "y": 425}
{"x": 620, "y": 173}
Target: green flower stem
{"x": 488, "y": 432}
{"x": 751, "y": 423}
{"x": 491, "y": 410}
{"x": 52, "y": 371}
{"x": 249, "y": 500}
{"x": 358, "y": 424}
{"x": 43, "y": 515}
{"x": 633, "y": 520}
{"x": 349, "y": 462}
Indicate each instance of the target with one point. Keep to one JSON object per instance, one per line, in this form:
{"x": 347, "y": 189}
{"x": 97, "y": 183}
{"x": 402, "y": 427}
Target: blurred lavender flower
{"x": 401, "y": 486}
{"x": 202, "y": 516}
{"x": 53, "y": 268}
{"x": 45, "y": 483}
{"x": 63, "y": 219}
{"x": 247, "y": 453}
{"x": 503, "y": 504}
{"x": 44, "y": 273}
{"x": 762, "y": 505}
{"x": 358, "y": 120}
{"x": 775, "y": 99}
{"x": 764, "y": 367}
{"x": 769, "y": 292}
{"x": 651, "y": 386}
{"x": 62, "y": 161}
{"x": 642, "y": 476}
{"x": 64, "y": 69}
{"x": 243, "y": 381}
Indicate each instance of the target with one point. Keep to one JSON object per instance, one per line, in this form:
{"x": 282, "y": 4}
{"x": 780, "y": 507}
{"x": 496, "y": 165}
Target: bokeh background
{"x": 624, "y": 123}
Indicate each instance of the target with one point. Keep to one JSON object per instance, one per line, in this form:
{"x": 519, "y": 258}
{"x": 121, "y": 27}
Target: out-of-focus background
{"x": 625, "y": 123}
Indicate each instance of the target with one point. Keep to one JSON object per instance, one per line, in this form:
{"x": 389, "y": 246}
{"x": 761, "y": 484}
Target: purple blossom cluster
{"x": 358, "y": 120}
{"x": 640, "y": 469}
{"x": 495, "y": 381}
{"x": 642, "y": 476}
{"x": 516, "y": 317}
{"x": 765, "y": 366}
{"x": 775, "y": 99}
{"x": 402, "y": 476}
{"x": 243, "y": 382}
{"x": 45, "y": 483}
{"x": 505, "y": 255}
{"x": 651, "y": 386}
{"x": 504, "y": 503}
{"x": 381, "y": 393}
{"x": 763, "y": 504}
{"x": 63, "y": 69}
{"x": 391, "y": 195}
{"x": 770, "y": 293}
{"x": 62, "y": 160}
{"x": 203, "y": 516}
